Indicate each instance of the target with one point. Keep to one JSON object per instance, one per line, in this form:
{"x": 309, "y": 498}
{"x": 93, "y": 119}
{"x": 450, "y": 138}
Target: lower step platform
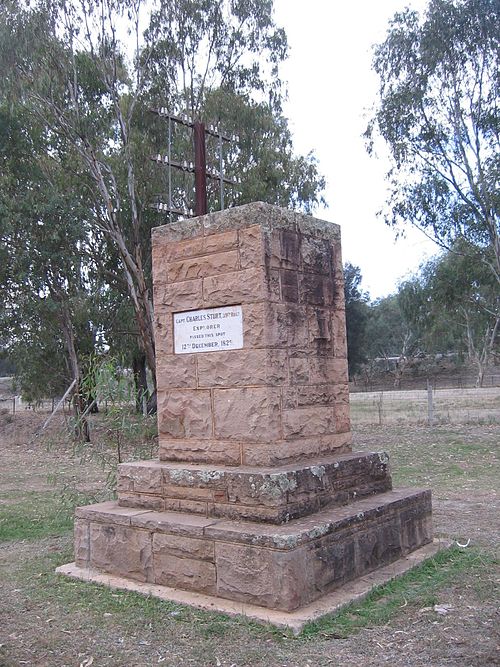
{"x": 295, "y": 620}
{"x": 281, "y": 567}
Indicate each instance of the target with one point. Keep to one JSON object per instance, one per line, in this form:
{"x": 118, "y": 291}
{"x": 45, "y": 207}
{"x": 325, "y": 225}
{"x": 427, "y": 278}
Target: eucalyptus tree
{"x": 437, "y": 112}
{"x": 89, "y": 70}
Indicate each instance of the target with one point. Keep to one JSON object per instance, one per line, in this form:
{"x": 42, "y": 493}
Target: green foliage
{"x": 454, "y": 305}
{"x": 34, "y": 516}
{"x": 76, "y": 139}
{"x": 438, "y": 114}
{"x": 356, "y": 315}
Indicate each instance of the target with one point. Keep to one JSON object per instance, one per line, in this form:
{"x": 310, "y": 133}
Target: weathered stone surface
{"x": 316, "y": 256}
{"x": 342, "y": 418}
{"x": 313, "y": 370}
{"x": 240, "y": 368}
{"x": 190, "y": 525}
{"x": 251, "y": 246}
{"x": 141, "y": 500}
{"x": 82, "y": 542}
{"x": 263, "y": 494}
{"x": 199, "y": 267}
{"x": 295, "y": 449}
{"x": 339, "y": 334}
{"x": 186, "y": 295}
{"x": 265, "y": 577}
{"x": 316, "y": 289}
{"x": 245, "y": 286}
{"x": 322, "y": 394}
{"x": 201, "y": 245}
{"x": 175, "y": 371}
{"x": 289, "y": 286}
{"x": 254, "y": 317}
{"x": 121, "y": 550}
{"x": 308, "y": 421}
{"x": 184, "y": 547}
{"x": 138, "y": 478}
{"x": 286, "y": 327}
{"x": 247, "y": 414}
{"x": 185, "y": 414}
{"x": 225, "y": 452}
{"x": 185, "y": 573}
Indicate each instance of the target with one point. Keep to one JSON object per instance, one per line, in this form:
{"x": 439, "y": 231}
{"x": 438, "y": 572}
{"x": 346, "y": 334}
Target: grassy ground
{"x": 449, "y": 406}
{"x": 443, "y": 613}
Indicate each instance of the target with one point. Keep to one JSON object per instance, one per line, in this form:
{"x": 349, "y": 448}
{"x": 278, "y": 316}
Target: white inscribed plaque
{"x": 208, "y": 330}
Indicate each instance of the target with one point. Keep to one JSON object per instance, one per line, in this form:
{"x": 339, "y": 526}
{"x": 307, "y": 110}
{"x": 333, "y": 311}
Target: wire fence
{"x": 410, "y": 383}
{"x": 430, "y": 406}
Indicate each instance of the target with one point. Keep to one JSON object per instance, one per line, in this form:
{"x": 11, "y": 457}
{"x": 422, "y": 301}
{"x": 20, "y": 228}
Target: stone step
{"x": 281, "y": 567}
{"x": 272, "y": 495}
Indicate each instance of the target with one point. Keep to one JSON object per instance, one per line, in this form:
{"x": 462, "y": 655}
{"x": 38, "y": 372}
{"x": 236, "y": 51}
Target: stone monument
{"x": 256, "y": 496}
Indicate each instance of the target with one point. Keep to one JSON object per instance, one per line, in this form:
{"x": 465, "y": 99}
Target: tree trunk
{"x": 82, "y": 430}
{"x": 141, "y": 383}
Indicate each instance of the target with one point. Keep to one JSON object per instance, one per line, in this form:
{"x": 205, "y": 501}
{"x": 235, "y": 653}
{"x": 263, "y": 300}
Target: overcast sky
{"x": 331, "y": 89}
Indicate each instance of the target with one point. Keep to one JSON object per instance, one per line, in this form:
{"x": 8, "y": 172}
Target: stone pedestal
{"x": 256, "y": 496}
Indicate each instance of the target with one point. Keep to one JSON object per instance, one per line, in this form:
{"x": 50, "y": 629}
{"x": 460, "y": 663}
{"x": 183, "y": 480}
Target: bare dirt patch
{"x": 47, "y": 621}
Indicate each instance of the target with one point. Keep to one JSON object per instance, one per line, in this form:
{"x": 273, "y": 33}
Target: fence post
{"x": 379, "y": 406}
{"x": 14, "y": 406}
{"x": 430, "y": 404}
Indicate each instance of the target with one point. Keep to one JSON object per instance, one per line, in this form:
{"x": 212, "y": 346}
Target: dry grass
{"x": 450, "y": 406}
{"x": 48, "y": 621}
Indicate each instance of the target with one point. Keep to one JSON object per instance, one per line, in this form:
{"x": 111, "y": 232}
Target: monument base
{"x": 328, "y": 604}
{"x": 280, "y": 567}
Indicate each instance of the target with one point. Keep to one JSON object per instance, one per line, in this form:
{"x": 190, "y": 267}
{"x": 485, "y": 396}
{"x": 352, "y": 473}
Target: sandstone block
{"x": 314, "y": 370}
{"x": 176, "y": 371}
{"x": 185, "y": 414}
{"x": 82, "y": 542}
{"x": 339, "y": 333}
{"x": 310, "y": 395}
{"x": 191, "y": 525}
{"x": 121, "y": 550}
{"x": 245, "y": 286}
{"x": 334, "y": 562}
{"x": 320, "y": 332}
{"x": 316, "y": 256}
{"x": 199, "y": 267}
{"x": 251, "y": 246}
{"x": 289, "y": 285}
{"x": 276, "y": 579}
{"x": 239, "y": 368}
{"x": 286, "y": 327}
{"x": 184, "y": 547}
{"x": 254, "y": 317}
{"x": 308, "y": 421}
{"x": 290, "y": 249}
{"x": 247, "y": 414}
{"x": 141, "y": 500}
{"x": 199, "y": 451}
{"x": 184, "y": 573}
{"x": 201, "y": 245}
{"x": 378, "y": 547}
{"x": 186, "y": 295}
{"x": 342, "y": 418}
{"x": 316, "y": 289}
{"x": 138, "y": 478}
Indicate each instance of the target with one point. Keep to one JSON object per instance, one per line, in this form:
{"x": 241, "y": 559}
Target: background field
{"x": 445, "y": 614}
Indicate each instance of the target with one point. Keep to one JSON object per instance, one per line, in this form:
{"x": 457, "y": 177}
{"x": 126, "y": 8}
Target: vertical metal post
{"x": 200, "y": 162}
{"x": 169, "y": 169}
{"x": 221, "y": 173}
{"x": 430, "y": 404}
